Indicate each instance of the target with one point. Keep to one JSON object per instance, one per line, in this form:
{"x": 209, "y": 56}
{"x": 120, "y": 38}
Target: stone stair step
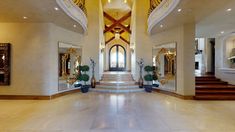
{"x": 215, "y": 97}
{"x": 211, "y": 82}
{"x": 117, "y": 79}
{"x": 207, "y": 79}
{"x": 215, "y": 91}
{"x": 109, "y": 90}
{"x": 117, "y": 82}
{"x": 119, "y": 87}
{"x": 117, "y": 75}
{"x": 213, "y": 86}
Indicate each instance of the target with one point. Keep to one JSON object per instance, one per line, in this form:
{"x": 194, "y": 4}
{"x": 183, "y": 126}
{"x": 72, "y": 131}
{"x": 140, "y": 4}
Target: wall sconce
{"x": 132, "y": 50}
{"x": 102, "y": 48}
{"x": 132, "y": 47}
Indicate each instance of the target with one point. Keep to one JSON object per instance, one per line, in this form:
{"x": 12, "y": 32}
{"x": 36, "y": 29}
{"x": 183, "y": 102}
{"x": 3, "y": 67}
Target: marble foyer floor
{"x": 132, "y": 112}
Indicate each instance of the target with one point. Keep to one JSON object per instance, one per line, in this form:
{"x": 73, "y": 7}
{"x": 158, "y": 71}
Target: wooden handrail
{"x": 153, "y": 5}
{"x": 81, "y": 4}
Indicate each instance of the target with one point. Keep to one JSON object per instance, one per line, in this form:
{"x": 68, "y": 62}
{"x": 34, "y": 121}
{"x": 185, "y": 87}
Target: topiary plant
{"x": 155, "y": 75}
{"x": 148, "y": 77}
{"x": 84, "y": 77}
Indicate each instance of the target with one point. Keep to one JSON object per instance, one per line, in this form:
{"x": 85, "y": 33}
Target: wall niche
{"x": 5, "y": 49}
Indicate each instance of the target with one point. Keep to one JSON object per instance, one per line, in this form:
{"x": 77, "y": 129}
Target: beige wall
{"x": 101, "y": 41}
{"x": 35, "y": 50}
{"x": 223, "y": 47}
{"x": 143, "y": 43}
{"x": 29, "y": 42}
{"x": 58, "y": 34}
{"x": 184, "y": 37}
{"x": 91, "y": 43}
{"x": 133, "y": 41}
{"x": 34, "y": 68}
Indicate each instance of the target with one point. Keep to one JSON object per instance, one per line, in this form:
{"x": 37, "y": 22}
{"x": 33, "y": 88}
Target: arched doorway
{"x": 117, "y": 58}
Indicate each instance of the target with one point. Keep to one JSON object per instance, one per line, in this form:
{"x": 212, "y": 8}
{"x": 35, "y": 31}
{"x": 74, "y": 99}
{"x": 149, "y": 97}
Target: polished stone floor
{"x": 131, "y": 112}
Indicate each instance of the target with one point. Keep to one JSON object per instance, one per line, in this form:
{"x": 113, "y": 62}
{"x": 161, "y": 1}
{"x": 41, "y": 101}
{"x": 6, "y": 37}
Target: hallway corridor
{"x": 133, "y": 112}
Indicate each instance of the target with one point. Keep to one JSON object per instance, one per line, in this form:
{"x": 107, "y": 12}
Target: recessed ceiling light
{"x": 179, "y": 10}
{"x": 109, "y": 1}
{"x": 74, "y": 26}
{"x": 125, "y": 1}
{"x": 229, "y": 9}
{"x": 161, "y": 26}
{"x": 24, "y": 17}
{"x": 222, "y": 32}
{"x": 56, "y": 8}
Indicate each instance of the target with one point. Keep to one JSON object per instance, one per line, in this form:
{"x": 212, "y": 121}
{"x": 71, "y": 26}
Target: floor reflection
{"x": 130, "y": 112}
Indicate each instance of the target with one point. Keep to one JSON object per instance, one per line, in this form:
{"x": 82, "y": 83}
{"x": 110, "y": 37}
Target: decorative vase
{"x": 141, "y": 65}
{"x": 141, "y": 82}
{"x": 93, "y": 82}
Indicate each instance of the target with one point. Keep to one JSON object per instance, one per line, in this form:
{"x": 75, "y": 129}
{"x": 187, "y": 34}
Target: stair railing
{"x": 81, "y": 4}
{"x": 153, "y": 5}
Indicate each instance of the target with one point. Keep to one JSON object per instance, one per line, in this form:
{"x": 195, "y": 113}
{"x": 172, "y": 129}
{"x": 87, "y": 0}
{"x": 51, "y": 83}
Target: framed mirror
{"x": 5, "y": 59}
{"x": 69, "y": 61}
{"x": 164, "y": 61}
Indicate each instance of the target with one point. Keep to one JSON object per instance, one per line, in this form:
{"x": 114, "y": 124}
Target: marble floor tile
{"x": 121, "y": 112}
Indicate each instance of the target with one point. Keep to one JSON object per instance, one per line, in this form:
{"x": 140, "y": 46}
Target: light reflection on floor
{"x": 131, "y": 112}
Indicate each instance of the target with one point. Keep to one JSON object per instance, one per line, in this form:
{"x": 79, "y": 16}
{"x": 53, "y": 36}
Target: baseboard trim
{"x": 174, "y": 94}
{"x": 37, "y": 97}
{"x": 65, "y": 93}
{"x": 24, "y": 97}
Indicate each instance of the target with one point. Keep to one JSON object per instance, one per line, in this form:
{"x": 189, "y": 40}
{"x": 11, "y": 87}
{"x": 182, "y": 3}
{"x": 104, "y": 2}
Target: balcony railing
{"x": 81, "y": 4}
{"x": 153, "y": 5}
{"x": 76, "y": 9}
{"x": 158, "y": 10}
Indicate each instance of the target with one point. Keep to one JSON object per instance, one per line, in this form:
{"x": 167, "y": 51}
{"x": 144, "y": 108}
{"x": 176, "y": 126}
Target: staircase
{"x": 209, "y": 87}
{"x": 117, "y": 82}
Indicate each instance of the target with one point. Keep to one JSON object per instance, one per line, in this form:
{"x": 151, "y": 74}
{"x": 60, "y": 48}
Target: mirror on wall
{"x": 69, "y": 60}
{"x": 164, "y": 61}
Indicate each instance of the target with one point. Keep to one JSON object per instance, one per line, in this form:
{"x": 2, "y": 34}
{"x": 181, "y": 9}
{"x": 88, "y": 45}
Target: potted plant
{"x": 155, "y": 76}
{"x": 148, "y": 78}
{"x": 84, "y": 77}
{"x": 77, "y": 75}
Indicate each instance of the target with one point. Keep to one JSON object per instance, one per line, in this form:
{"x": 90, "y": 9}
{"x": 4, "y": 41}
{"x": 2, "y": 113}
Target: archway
{"x": 117, "y": 58}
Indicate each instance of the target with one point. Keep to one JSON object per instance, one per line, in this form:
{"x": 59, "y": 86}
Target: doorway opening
{"x": 212, "y": 46}
{"x": 117, "y": 58}
{"x": 205, "y": 56}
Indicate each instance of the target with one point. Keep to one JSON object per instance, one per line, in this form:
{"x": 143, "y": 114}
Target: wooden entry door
{"x": 117, "y": 58}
